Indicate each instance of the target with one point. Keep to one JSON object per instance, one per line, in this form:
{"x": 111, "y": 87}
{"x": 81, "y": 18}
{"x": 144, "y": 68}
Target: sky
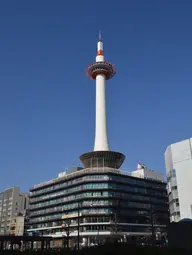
{"x": 47, "y": 104}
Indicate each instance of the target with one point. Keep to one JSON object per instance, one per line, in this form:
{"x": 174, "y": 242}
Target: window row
{"x": 175, "y": 214}
{"x": 99, "y": 228}
{"x": 71, "y": 190}
{"x": 72, "y": 221}
{"x": 87, "y": 212}
{"x": 132, "y": 216}
{"x": 107, "y": 194}
{"x": 60, "y": 215}
{"x": 131, "y": 181}
{"x": 74, "y": 205}
{"x": 95, "y": 203}
{"x": 174, "y": 201}
{"x": 100, "y": 186}
{"x": 67, "y": 183}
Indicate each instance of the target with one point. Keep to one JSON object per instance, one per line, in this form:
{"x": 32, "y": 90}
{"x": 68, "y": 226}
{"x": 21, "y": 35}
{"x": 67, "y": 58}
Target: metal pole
{"x": 152, "y": 226}
{"x": 68, "y": 233}
{"x": 115, "y": 221}
{"x": 78, "y": 229}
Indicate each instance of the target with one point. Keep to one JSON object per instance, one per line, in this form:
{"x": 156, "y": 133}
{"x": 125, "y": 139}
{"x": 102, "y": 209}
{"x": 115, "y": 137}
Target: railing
{"x": 75, "y": 206}
{"x": 91, "y": 171}
{"x": 59, "y": 216}
{"x": 81, "y": 172}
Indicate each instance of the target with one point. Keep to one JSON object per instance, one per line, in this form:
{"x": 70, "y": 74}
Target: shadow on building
{"x": 180, "y": 234}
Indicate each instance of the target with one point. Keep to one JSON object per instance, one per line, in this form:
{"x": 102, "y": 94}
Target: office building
{"x": 100, "y": 199}
{"x": 12, "y": 203}
{"x": 98, "y": 195}
{"x": 178, "y": 161}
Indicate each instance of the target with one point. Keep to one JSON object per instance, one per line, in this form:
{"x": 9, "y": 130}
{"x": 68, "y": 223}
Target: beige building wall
{"x": 17, "y": 226}
{"x": 12, "y": 204}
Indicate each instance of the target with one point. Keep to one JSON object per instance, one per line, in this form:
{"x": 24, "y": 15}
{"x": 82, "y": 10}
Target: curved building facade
{"x": 102, "y": 198}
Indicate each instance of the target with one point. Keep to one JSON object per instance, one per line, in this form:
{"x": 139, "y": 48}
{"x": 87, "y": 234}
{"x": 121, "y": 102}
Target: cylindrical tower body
{"x": 101, "y": 137}
{"x": 100, "y": 71}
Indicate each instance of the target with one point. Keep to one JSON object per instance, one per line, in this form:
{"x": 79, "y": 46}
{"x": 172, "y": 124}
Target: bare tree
{"x": 114, "y": 227}
{"x": 66, "y": 226}
{"x": 151, "y": 218}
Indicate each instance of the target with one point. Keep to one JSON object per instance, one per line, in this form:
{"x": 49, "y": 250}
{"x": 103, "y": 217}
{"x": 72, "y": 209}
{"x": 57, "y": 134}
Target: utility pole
{"x": 66, "y": 226}
{"x": 153, "y": 238}
{"x": 78, "y": 227}
{"x": 67, "y": 232}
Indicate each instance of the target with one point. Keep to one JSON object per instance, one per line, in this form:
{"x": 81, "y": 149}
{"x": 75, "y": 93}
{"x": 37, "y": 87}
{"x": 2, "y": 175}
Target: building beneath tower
{"x": 101, "y": 197}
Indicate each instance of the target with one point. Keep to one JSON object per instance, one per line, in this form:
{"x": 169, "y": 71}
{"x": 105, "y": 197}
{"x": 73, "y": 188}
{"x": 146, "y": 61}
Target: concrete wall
{"x": 12, "y": 204}
{"x": 178, "y": 157}
{"x": 19, "y": 230}
{"x": 182, "y": 161}
{"x": 148, "y": 174}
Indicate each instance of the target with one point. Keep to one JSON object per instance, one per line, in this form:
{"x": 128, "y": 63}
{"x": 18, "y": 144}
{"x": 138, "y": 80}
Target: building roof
{"x": 95, "y": 170}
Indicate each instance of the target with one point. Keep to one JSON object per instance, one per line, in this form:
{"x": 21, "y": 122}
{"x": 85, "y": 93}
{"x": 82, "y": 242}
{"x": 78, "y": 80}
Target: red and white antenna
{"x": 100, "y": 53}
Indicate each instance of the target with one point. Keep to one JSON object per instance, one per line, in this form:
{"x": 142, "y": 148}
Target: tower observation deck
{"x": 102, "y": 156}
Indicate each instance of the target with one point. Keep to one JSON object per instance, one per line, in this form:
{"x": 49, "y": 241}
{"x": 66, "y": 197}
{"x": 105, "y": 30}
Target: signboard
{"x": 68, "y": 216}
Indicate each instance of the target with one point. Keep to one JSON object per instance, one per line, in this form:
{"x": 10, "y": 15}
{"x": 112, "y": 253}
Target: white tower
{"x": 101, "y": 136}
{"x": 100, "y": 71}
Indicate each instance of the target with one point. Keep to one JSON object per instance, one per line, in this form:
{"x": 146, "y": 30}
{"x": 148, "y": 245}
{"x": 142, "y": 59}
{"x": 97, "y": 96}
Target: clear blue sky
{"x": 47, "y": 103}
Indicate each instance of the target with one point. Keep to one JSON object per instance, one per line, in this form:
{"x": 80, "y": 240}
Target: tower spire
{"x": 100, "y": 35}
{"x": 100, "y": 53}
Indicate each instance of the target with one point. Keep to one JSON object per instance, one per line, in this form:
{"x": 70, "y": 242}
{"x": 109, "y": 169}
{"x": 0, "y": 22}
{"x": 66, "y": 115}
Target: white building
{"x": 178, "y": 162}
{"x": 143, "y": 172}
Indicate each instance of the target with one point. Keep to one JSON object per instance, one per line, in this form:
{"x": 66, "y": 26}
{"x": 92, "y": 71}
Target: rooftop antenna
{"x": 100, "y": 36}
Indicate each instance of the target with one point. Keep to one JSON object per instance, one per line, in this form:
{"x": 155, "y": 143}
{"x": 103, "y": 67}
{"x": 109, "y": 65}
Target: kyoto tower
{"x": 102, "y": 156}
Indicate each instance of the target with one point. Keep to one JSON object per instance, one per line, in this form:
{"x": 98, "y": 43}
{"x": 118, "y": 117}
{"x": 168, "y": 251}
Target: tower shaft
{"x": 101, "y": 136}
{"x": 100, "y": 71}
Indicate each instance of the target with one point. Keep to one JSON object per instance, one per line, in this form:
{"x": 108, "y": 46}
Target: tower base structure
{"x": 111, "y": 159}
